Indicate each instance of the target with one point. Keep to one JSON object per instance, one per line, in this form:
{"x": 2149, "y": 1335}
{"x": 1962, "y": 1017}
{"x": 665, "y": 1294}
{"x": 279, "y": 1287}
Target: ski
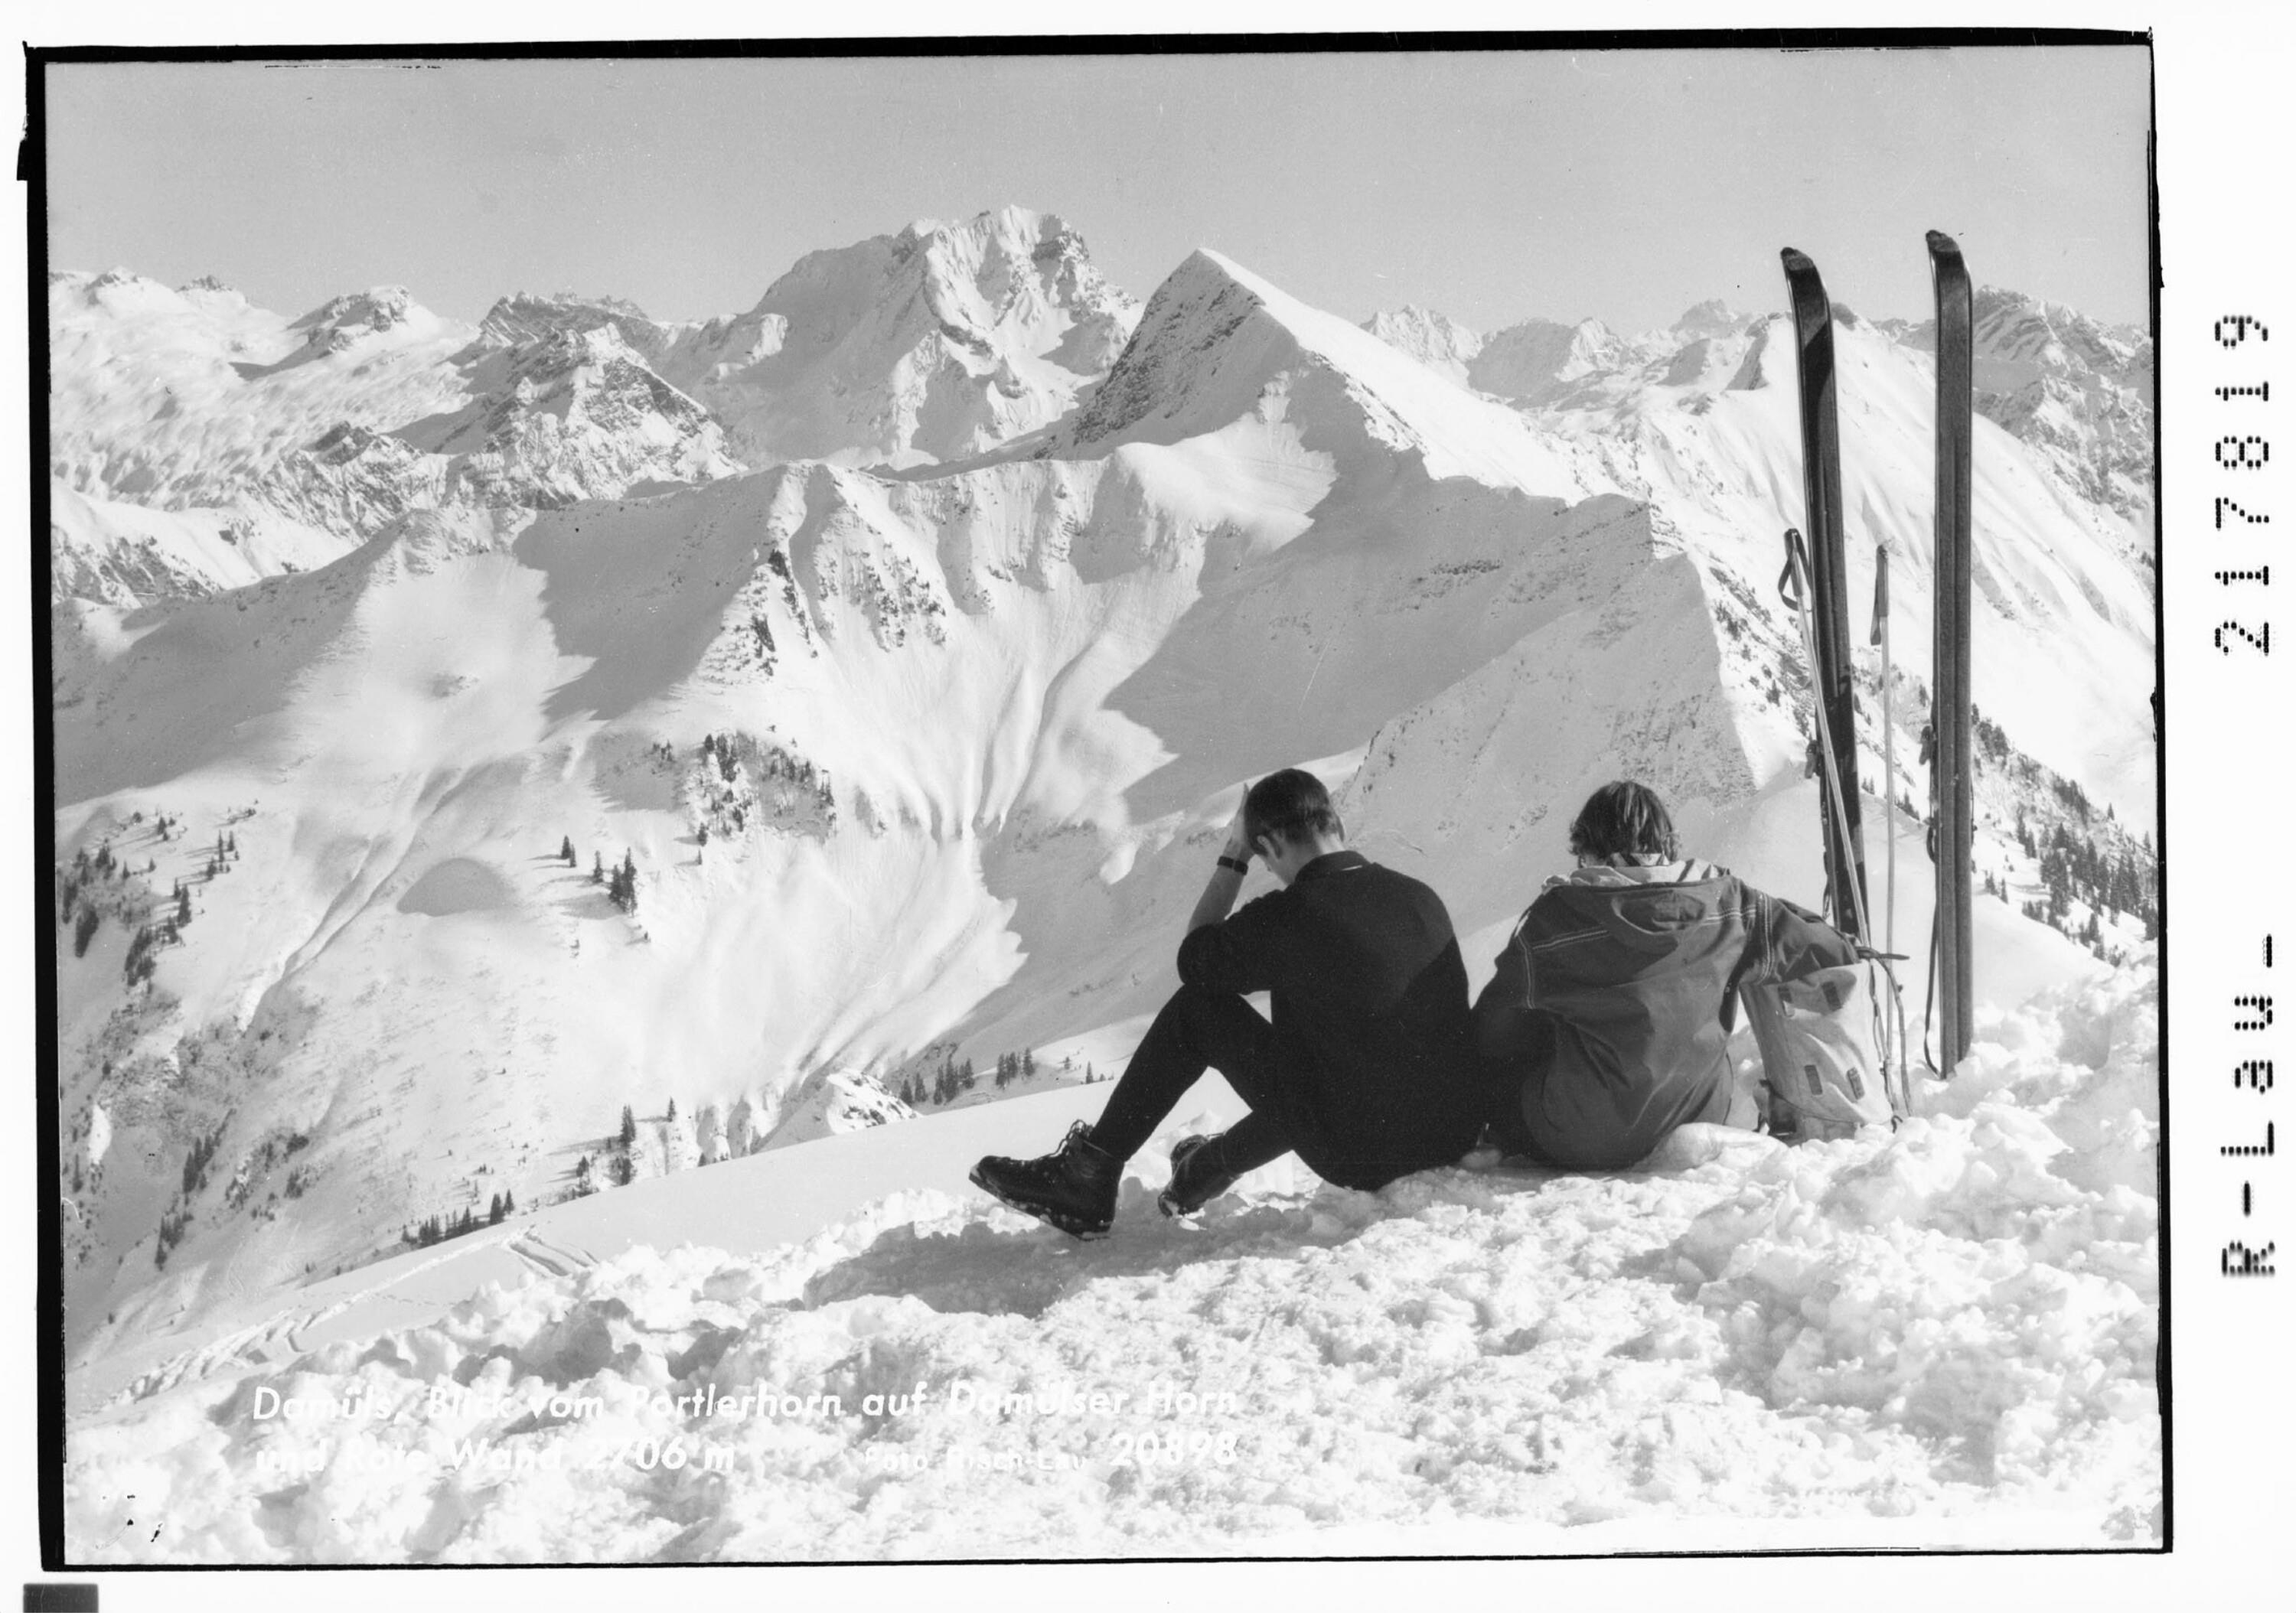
{"x": 1836, "y": 747}
{"x": 1951, "y": 779}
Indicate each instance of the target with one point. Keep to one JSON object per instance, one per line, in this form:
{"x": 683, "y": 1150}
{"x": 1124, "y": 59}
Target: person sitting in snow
{"x": 1364, "y": 1070}
{"x": 1607, "y": 1023}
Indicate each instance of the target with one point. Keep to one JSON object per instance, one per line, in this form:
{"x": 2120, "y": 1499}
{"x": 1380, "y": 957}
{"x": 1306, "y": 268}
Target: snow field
{"x": 1897, "y": 1340}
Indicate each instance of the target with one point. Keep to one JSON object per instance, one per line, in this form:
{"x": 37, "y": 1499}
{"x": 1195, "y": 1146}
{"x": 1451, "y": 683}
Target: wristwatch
{"x": 1238, "y": 863}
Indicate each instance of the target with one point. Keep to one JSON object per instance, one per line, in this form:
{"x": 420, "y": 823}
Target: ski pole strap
{"x": 1792, "y": 585}
{"x": 1881, "y": 591}
{"x": 1929, "y": 997}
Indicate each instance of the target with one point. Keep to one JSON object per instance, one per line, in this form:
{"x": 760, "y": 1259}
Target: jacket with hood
{"x": 1606, "y": 1026}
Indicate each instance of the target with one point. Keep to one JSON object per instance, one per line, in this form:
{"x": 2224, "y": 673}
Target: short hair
{"x": 1623, "y": 819}
{"x": 1291, "y": 805}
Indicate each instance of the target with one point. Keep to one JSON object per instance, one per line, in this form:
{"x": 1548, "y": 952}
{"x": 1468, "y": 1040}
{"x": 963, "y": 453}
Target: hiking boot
{"x": 1072, "y": 1188}
{"x": 1196, "y": 1179}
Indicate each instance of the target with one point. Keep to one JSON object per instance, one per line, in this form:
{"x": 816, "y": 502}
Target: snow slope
{"x": 122, "y": 554}
{"x": 1702, "y": 421}
{"x": 1942, "y": 1335}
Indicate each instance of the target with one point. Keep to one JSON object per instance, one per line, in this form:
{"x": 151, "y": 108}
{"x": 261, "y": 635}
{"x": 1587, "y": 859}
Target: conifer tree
{"x": 597, "y": 868}
{"x": 566, "y": 850}
{"x": 629, "y": 1133}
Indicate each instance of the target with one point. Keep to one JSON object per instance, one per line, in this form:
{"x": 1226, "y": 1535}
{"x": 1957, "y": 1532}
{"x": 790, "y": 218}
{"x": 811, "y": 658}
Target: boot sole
{"x": 1060, "y": 1220}
{"x": 1170, "y": 1203}
{"x": 1179, "y": 1211}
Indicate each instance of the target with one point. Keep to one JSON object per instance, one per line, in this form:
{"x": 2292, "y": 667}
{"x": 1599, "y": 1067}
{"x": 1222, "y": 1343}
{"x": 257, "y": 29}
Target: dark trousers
{"x": 1196, "y": 1031}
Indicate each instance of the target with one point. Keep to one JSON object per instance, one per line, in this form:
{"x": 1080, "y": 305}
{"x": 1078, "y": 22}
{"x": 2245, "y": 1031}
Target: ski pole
{"x": 1888, "y": 746}
{"x": 1889, "y": 794}
{"x": 1798, "y": 595}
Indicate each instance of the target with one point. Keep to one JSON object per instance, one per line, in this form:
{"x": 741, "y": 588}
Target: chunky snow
{"x": 1943, "y": 1335}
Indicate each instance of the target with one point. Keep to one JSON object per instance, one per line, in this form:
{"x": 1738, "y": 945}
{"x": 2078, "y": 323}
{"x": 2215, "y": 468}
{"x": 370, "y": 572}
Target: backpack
{"x": 1826, "y": 1042}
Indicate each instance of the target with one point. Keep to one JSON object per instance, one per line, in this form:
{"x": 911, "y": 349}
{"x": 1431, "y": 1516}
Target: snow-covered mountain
{"x": 389, "y": 882}
{"x": 1435, "y": 339}
{"x": 934, "y": 344}
{"x": 1647, "y": 407}
{"x": 2078, "y": 393}
{"x": 1540, "y": 361}
{"x": 294, "y": 441}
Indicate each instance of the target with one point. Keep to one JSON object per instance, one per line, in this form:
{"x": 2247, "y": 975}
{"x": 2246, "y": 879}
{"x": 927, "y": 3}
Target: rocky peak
{"x": 1537, "y": 361}
{"x": 1710, "y": 318}
{"x": 524, "y": 317}
{"x": 344, "y": 321}
{"x": 1435, "y": 339}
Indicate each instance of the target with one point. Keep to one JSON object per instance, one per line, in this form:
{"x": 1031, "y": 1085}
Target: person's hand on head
{"x": 1239, "y": 841}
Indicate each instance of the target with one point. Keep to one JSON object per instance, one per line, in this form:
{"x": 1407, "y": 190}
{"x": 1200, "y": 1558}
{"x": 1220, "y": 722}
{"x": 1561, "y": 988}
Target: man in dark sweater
{"x": 1365, "y": 1070}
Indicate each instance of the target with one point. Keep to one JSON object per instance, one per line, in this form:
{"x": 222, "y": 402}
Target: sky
{"x": 1623, "y": 185}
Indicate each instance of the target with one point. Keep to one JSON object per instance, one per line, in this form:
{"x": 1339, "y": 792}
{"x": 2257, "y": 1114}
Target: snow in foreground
{"x": 1943, "y": 1336}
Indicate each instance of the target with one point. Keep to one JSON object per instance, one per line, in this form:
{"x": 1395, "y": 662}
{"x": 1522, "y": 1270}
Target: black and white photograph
{"x": 1078, "y": 800}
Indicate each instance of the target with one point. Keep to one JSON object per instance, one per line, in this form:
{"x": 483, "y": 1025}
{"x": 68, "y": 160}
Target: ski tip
{"x": 1943, "y": 244}
{"x": 1797, "y": 262}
